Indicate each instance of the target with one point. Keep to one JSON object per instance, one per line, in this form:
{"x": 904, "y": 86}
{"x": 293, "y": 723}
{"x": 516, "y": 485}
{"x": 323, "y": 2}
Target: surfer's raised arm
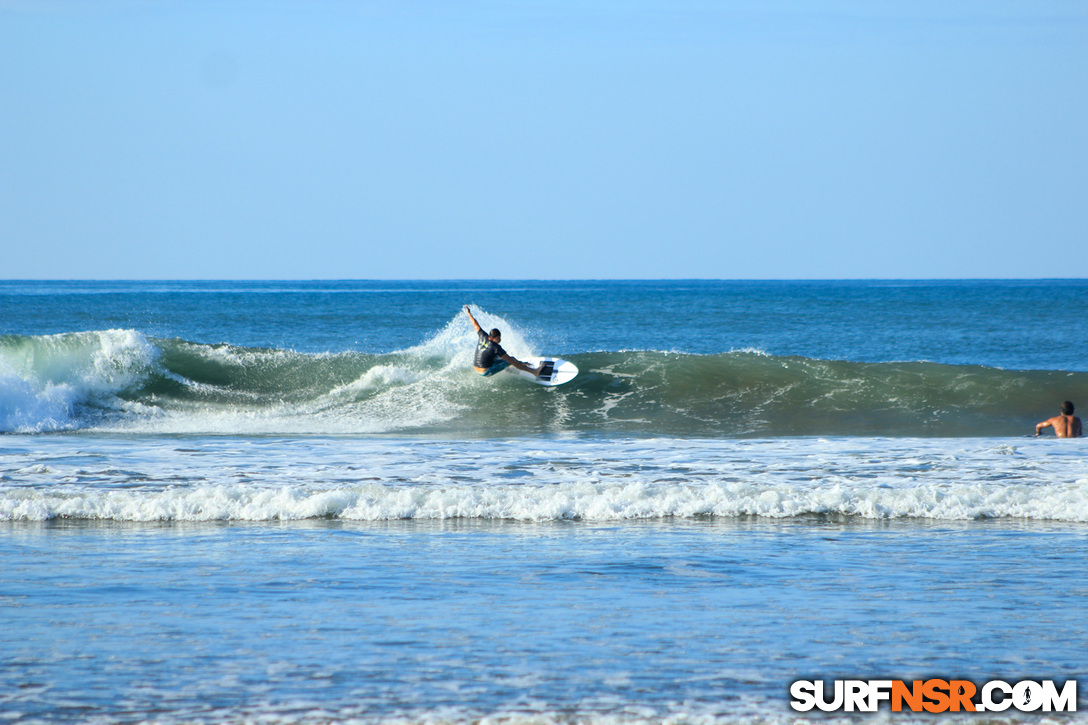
{"x": 474, "y": 322}
{"x": 490, "y": 357}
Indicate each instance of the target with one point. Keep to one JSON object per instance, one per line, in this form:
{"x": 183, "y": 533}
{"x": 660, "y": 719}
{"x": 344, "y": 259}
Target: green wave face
{"x": 118, "y": 379}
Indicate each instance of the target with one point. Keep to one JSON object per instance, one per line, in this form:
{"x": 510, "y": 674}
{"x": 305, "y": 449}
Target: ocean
{"x": 294, "y": 502}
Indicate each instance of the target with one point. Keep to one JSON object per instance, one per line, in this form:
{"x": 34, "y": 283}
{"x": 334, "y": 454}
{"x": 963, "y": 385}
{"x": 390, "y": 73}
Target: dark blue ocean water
{"x": 1027, "y": 324}
{"x": 286, "y": 502}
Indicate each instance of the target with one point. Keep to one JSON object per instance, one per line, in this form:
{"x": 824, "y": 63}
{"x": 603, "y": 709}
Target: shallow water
{"x": 328, "y": 619}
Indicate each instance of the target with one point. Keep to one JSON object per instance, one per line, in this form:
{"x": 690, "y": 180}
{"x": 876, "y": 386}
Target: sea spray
{"x": 47, "y": 381}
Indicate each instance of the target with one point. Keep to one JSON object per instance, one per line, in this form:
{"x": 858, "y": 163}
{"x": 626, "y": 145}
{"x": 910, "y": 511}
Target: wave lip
{"x": 46, "y": 380}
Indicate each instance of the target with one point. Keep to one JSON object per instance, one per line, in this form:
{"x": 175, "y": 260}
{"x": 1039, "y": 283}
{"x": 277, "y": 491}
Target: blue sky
{"x": 549, "y": 140}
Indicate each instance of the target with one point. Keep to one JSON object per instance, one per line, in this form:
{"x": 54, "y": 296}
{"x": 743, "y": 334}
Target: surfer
{"x": 490, "y": 357}
{"x": 1065, "y": 425}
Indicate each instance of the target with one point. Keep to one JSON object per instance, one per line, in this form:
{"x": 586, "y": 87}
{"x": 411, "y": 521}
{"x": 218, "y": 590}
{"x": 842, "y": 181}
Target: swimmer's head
{"x": 1067, "y": 408}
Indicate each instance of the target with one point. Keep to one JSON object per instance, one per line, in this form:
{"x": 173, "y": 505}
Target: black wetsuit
{"x": 487, "y": 352}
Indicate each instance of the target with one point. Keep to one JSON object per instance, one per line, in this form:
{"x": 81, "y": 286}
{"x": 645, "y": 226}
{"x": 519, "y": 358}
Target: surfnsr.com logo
{"x": 934, "y": 695}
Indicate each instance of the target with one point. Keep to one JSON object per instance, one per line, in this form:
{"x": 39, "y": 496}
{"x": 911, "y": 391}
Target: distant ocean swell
{"x": 120, "y": 380}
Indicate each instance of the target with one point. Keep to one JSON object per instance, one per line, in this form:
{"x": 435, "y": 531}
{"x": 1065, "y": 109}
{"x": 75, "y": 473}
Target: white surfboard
{"x": 556, "y": 371}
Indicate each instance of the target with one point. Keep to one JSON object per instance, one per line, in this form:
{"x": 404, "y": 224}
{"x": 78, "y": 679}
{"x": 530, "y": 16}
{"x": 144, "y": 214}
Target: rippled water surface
{"x": 329, "y": 619}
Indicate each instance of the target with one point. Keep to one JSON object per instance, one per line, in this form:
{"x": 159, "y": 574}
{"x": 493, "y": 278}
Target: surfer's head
{"x": 495, "y": 334}
{"x": 1067, "y": 407}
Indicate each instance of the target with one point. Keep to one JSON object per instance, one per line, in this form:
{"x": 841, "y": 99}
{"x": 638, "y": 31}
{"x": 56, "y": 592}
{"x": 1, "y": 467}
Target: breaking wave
{"x": 120, "y": 380}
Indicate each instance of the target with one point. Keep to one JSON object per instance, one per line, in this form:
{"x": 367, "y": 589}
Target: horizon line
{"x": 538, "y": 279}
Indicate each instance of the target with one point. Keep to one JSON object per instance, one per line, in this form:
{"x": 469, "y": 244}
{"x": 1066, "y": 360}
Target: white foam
{"x": 379, "y": 377}
{"x": 412, "y": 389}
{"x": 383, "y": 399}
{"x": 456, "y": 342}
{"x": 44, "y": 379}
{"x": 588, "y": 502}
{"x": 33, "y": 406}
{"x": 561, "y": 480}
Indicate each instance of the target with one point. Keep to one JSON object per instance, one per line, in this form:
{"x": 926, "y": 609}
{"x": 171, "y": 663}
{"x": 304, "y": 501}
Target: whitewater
{"x": 271, "y": 479}
{"x": 291, "y": 502}
{"x": 123, "y": 381}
